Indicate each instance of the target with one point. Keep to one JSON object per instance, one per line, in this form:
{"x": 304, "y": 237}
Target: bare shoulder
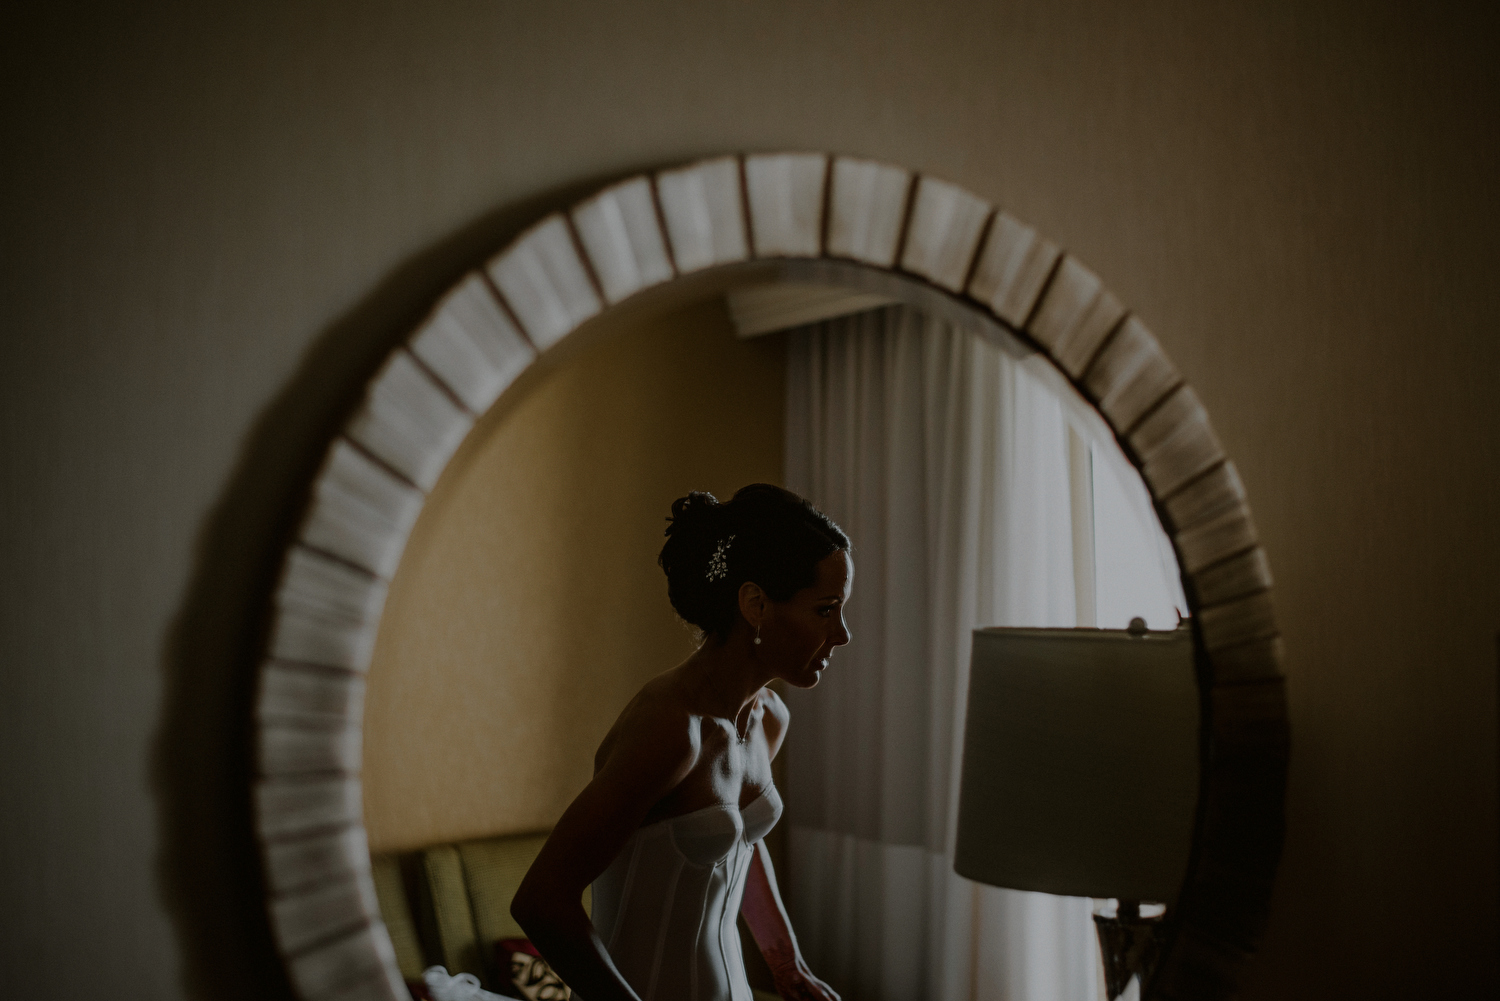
{"x": 775, "y": 707}
{"x": 655, "y": 730}
{"x": 775, "y": 719}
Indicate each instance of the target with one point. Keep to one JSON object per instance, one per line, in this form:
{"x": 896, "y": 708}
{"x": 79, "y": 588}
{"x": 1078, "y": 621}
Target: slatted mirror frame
{"x": 797, "y": 216}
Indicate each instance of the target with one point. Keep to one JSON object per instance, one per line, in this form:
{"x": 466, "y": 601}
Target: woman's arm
{"x": 772, "y": 930}
{"x": 762, "y": 906}
{"x": 654, "y": 750}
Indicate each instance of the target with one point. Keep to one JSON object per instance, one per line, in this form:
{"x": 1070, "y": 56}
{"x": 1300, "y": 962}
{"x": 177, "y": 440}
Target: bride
{"x": 669, "y": 830}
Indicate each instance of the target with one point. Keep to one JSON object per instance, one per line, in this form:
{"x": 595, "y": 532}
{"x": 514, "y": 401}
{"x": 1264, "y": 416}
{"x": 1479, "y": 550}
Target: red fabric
{"x": 530, "y": 976}
{"x": 506, "y": 946}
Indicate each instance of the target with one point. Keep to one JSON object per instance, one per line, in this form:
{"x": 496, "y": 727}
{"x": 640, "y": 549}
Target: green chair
{"x": 455, "y": 939}
{"x": 395, "y": 909}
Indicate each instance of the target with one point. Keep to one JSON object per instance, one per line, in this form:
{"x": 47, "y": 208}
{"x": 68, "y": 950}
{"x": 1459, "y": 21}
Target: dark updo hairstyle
{"x": 764, "y": 534}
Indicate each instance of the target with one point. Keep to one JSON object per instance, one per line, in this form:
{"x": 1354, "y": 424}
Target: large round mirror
{"x": 474, "y": 594}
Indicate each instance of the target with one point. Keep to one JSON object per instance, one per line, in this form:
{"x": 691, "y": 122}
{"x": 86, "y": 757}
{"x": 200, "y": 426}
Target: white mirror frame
{"x": 789, "y": 216}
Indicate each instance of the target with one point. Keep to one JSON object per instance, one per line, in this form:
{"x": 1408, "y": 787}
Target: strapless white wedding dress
{"x": 666, "y": 906}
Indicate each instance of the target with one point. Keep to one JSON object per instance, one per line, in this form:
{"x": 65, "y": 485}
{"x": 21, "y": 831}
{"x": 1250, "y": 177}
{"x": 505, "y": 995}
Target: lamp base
{"x": 1131, "y": 945}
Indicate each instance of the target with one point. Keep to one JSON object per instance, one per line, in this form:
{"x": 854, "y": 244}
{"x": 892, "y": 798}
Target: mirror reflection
{"x": 977, "y": 491}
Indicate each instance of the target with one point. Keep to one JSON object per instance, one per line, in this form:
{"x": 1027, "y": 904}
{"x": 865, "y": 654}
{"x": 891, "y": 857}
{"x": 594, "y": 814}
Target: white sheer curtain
{"x": 947, "y": 461}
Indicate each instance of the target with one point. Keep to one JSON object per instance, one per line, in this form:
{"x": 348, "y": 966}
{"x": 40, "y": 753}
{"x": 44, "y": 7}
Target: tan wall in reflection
{"x": 528, "y": 607}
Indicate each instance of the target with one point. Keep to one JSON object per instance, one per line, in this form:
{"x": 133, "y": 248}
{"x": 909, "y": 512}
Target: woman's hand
{"x": 795, "y": 982}
{"x": 766, "y": 916}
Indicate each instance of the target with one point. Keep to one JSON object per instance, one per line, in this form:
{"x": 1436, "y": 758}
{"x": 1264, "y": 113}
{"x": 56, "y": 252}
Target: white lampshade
{"x": 1081, "y": 762}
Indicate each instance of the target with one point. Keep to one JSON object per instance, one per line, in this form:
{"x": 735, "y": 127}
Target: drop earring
{"x": 757, "y": 635}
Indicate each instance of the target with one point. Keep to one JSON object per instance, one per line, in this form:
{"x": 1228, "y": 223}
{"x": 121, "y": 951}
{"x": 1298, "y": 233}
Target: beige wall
{"x": 215, "y": 219}
{"x": 528, "y": 607}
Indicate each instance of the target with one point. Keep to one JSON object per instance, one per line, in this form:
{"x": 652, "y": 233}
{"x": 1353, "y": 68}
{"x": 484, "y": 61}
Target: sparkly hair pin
{"x": 718, "y": 563}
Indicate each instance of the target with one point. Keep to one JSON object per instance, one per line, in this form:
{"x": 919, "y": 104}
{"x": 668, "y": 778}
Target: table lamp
{"x": 1080, "y": 774}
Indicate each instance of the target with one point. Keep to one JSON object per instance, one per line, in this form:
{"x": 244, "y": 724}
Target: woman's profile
{"x": 669, "y": 830}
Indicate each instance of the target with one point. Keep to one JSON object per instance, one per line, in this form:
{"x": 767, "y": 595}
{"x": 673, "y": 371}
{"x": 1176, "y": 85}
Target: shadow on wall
{"x": 208, "y": 867}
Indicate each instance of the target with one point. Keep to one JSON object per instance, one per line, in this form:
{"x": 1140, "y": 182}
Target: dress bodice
{"x": 666, "y": 906}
